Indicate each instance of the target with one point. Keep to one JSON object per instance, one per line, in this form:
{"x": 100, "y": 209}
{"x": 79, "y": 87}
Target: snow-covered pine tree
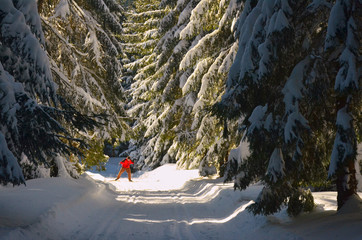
{"x": 194, "y": 53}
{"x": 30, "y": 131}
{"x": 139, "y": 40}
{"x": 83, "y": 42}
{"x": 343, "y": 46}
{"x": 275, "y": 87}
{"x": 203, "y": 71}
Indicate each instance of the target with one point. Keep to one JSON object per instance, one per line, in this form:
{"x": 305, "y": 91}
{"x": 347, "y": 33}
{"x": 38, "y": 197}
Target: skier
{"x": 126, "y": 163}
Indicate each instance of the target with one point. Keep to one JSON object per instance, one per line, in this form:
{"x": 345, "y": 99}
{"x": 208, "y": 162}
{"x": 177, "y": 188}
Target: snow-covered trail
{"x": 160, "y": 204}
{"x": 197, "y": 211}
{"x": 95, "y": 211}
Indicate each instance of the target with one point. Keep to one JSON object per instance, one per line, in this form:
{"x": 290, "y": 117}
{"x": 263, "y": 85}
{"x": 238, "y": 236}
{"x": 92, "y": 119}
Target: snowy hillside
{"x": 165, "y": 203}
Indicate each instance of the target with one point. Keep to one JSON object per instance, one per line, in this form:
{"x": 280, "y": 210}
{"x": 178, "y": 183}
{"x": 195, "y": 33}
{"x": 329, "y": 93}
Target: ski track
{"x": 202, "y": 209}
{"x": 107, "y": 214}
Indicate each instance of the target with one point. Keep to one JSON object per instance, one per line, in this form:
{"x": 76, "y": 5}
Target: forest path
{"x": 162, "y": 204}
{"x": 197, "y": 210}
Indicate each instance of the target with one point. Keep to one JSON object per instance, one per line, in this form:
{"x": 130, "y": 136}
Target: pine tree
{"x": 83, "y": 42}
{"x": 31, "y": 133}
{"x": 192, "y": 57}
{"x": 203, "y": 68}
{"x": 140, "y": 39}
{"x": 342, "y": 41}
{"x": 275, "y": 86}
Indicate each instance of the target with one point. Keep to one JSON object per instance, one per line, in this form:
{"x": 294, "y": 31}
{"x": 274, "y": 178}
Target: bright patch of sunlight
{"x": 164, "y": 178}
{"x": 326, "y": 200}
{"x": 206, "y": 194}
{"x": 196, "y": 220}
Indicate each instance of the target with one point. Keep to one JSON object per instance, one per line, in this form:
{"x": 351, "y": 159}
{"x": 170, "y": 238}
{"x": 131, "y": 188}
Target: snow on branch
{"x": 195, "y": 19}
{"x": 336, "y": 24}
{"x": 276, "y": 165}
{"x": 342, "y": 32}
{"x": 192, "y": 81}
{"x": 61, "y": 10}
{"x": 208, "y": 80}
{"x": 230, "y": 12}
{"x": 292, "y": 94}
{"x": 30, "y": 11}
{"x": 343, "y": 148}
{"x": 293, "y": 119}
{"x": 294, "y": 86}
{"x": 256, "y": 29}
{"x": 256, "y": 118}
{"x": 10, "y": 170}
{"x": 347, "y": 77}
{"x": 24, "y": 43}
{"x": 92, "y": 42}
{"x": 278, "y": 22}
{"x": 185, "y": 14}
{"x": 198, "y": 50}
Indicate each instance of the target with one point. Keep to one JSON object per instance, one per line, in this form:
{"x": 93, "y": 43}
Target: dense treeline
{"x": 291, "y": 98}
{"x": 62, "y": 94}
{"x": 251, "y": 90}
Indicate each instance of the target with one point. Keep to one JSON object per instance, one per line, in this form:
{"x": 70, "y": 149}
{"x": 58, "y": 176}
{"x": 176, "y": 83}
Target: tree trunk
{"x": 346, "y": 174}
{"x": 346, "y": 183}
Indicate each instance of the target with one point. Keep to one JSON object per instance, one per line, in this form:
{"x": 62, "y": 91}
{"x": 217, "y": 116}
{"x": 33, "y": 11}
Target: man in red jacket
{"x": 126, "y": 163}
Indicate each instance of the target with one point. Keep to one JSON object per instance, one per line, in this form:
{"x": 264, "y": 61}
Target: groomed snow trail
{"x": 98, "y": 210}
{"x": 162, "y": 204}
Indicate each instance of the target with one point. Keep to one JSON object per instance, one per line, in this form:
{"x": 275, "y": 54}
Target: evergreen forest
{"x": 248, "y": 90}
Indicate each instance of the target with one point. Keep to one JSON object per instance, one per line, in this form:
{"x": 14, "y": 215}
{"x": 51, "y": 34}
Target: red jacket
{"x": 126, "y": 162}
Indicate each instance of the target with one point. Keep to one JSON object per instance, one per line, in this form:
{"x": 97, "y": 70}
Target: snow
{"x": 347, "y": 76}
{"x": 318, "y": 3}
{"x": 30, "y": 11}
{"x": 229, "y": 13}
{"x": 185, "y": 14}
{"x": 193, "y": 80}
{"x": 245, "y": 27}
{"x": 342, "y": 147}
{"x": 281, "y": 22}
{"x": 195, "y": 19}
{"x": 240, "y": 153}
{"x": 22, "y": 29}
{"x": 286, "y": 8}
{"x": 293, "y": 92}
{"x": 229, "y": 59}
{"x": 276, "y": 165}
{"x": 290, "y": 131}
{"x": 165, "y": 203}
{"x": 344, "y": 118}
{"x": 10, "y": 170}
{"x": 62, "y": 9}
{"x": 256, "y": 118}
{"x": 92, "y": 42}
{"x": 208, "y": 80}
{"x": 294, "y": 86}
{"x": 198, "y": 50}
{"x": 336, "y": 23}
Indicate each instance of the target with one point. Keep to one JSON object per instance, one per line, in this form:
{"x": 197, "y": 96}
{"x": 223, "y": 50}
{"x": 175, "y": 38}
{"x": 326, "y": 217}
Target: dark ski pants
{"x": 128, "y": 170}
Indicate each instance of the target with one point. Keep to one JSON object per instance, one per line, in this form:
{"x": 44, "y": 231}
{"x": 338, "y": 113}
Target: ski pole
{"x": 119, "y": 168}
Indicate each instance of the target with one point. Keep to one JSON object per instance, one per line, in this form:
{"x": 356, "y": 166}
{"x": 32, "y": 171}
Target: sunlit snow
{"x": 166, "y": 203}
